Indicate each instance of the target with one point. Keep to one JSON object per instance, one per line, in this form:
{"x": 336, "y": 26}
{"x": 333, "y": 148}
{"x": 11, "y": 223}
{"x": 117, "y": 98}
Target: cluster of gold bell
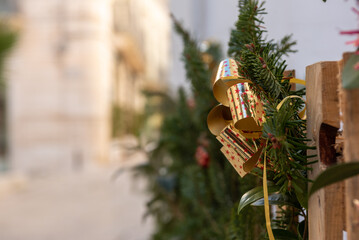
{"x": 237, "y": 120}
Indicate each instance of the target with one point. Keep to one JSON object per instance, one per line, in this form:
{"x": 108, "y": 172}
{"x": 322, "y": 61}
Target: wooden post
{"x": 325, "y": 207}
{"x": 290, "y": 73}
{"x": 350, "y": 105}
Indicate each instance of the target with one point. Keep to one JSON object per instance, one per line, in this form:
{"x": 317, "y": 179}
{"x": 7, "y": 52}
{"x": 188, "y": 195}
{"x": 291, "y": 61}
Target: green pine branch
{"x": 198, "y": 74}
{"x": 196, "y": 70}
{"x": 7, "y": 41}
{"x": 260, "y": 60}
{"x": 190, "y": 201}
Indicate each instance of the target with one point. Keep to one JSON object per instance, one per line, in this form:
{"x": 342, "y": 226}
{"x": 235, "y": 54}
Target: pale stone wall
{"x": 73, "y": 60}
{"x": 59, "y": 85}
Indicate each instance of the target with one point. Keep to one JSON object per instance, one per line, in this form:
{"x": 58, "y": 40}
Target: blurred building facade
{"x": 73, "y": 62}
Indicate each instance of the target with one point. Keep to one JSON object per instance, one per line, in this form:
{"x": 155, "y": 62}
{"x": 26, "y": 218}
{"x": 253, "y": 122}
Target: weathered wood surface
{"x": 326, "y": 215}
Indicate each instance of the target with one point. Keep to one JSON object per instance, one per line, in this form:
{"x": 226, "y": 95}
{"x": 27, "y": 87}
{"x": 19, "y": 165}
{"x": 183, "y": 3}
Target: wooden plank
{"x": 350, "y": 109}
{"x": 325, "y": 207}
{"x": 290, "y": 73}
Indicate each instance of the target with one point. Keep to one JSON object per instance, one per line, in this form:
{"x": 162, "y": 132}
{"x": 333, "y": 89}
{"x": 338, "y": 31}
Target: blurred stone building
{"x": 74, "y": 61}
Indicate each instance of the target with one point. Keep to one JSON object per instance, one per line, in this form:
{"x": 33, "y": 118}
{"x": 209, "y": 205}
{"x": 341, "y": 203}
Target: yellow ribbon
{"x": 301, "y": 114}
{"x": 266, "y": 201}
{"x": 301, "y": 82}
{"x": 298, "y": 81}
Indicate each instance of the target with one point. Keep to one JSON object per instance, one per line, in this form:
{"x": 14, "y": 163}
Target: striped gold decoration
{"x": 246, "y": 109}
{"x": 245, "y": 150}
{"x": 235, "y": 160}
{"x": 237, "y": 121}
{"x": 227, "y": 75}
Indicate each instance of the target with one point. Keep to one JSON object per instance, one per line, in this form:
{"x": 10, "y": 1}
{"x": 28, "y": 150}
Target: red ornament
{"x": 202, "y": 157}
{"x": 275, "y": 143}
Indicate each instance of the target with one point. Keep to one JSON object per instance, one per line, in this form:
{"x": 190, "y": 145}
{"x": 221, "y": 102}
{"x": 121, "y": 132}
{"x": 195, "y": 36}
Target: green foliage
{"x": 253, "y": 196}
{"x": 334, "y": 174}
{"x": 260, "y": 61}
{"x": 126, "y": 121}
{"x": 278, "y": 199}
{"x": 350, "y": 76}
{"x": 191, "y": 200}
{"x": 281, "y": 234}
{"x": 199, "y": 74}
{"x": 287, "y": 148}
{"x": 196, "y": 200}
{"x": 250, "y": 217}
{"x": 7, "y": 41}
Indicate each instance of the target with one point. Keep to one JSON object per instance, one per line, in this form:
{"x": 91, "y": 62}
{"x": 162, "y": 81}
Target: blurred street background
{"x": 78, "y": 106}
{"x": 98, "y": 203}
